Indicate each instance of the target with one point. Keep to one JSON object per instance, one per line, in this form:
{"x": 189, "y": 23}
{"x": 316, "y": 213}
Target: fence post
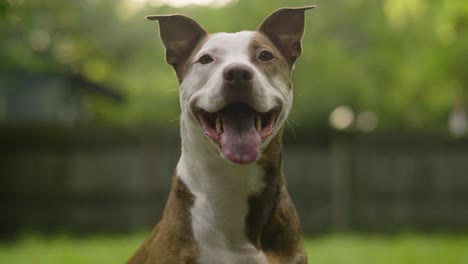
{"x": 341, "y": 166}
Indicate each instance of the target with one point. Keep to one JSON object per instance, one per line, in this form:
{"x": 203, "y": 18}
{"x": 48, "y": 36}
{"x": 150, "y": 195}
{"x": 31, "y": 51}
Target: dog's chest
{"x": 220, "y": 208}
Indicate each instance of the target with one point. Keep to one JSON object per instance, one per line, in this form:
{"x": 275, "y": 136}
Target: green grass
{"x": 338, "y": 249}
{"x": 403, "y": 249}
{"x": 64, "y": 249}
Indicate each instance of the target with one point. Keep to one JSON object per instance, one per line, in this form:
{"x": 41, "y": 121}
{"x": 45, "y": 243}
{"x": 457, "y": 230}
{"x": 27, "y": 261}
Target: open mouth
{"x": 238, "y": 129}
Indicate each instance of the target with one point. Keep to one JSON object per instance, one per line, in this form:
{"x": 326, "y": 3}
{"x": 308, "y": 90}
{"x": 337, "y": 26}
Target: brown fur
{"x": 180, "y": 35}
{"x": 272, "y": 223}
{"x": 181, "y": 71}
{"x": 285, "y": 28}
{"x": 172, "y": 239}
{"x": 277, "y": 68}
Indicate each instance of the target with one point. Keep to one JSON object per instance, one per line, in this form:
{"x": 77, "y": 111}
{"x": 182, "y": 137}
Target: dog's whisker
{"x": 168, "y": 80}
{"x": 170, "y": 90}
{"x": 175, "y": 119}
{"x": 294, "y": 121}
{"x": 291, "y": 127}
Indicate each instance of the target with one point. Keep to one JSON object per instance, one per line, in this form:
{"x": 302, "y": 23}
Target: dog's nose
{"x": 237, "y": 74}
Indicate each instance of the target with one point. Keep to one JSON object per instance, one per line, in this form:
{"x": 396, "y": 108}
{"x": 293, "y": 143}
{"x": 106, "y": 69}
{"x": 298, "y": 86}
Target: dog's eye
{"x": 265, "y": 56}
{"x": 205, "y": 59}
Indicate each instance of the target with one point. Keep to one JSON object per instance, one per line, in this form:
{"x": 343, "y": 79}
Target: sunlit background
{"x": 376, "y": 147}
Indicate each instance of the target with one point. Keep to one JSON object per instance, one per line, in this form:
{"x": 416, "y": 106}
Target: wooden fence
{"x": 114, "y": 179}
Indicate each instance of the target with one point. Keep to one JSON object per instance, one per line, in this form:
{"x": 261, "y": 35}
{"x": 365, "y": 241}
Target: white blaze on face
{"x": 203, "y": 82}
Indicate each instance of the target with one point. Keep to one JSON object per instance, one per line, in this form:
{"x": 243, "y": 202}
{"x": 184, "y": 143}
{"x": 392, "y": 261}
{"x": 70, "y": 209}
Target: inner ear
{"x": 180, "y": 35}
{"x": 285, "y": 28}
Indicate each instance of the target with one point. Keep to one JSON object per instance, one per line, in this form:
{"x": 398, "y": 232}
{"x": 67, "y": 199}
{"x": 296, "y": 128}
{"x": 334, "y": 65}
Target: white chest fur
{"x": 221, "y": 191}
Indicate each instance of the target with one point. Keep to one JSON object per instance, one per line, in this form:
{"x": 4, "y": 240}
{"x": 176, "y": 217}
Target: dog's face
{"x": 235, "y": 88}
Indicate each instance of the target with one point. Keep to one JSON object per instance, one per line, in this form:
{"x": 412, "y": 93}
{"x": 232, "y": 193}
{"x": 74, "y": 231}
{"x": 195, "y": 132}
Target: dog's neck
{"x": 222, "y": 189}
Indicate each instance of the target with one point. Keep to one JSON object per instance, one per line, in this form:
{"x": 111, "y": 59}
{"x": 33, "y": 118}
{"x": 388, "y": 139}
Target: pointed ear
{"x": 180, "y": 35}
{"x": 285, "y": 28}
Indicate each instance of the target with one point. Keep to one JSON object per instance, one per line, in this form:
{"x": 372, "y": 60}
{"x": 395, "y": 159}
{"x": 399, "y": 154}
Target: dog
{"x": 228, "y": 202}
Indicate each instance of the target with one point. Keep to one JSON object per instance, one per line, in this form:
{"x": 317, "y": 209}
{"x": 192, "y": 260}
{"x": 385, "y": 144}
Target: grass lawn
{"x": 337, "y": 249}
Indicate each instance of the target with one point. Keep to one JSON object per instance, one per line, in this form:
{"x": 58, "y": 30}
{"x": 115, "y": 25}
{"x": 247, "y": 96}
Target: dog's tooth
{"x": 219, "y": 125}
{"x": 258, "y": 123}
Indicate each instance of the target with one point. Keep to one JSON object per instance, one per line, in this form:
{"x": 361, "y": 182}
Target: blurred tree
{"x": 404, "y": 61}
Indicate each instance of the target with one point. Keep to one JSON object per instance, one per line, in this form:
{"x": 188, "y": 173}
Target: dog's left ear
{"x": 285, "y": 28}
{"x": 180, "y": 35}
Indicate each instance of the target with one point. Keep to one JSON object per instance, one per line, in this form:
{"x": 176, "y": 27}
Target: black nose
{"x": 237, "y": 74}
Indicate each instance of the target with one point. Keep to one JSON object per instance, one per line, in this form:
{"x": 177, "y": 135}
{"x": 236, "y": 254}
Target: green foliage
{"x": 404, "y": 60}
{"x": 337, "y": 249}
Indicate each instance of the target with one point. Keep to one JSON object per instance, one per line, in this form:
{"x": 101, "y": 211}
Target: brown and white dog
{"x": 229, "y": 202}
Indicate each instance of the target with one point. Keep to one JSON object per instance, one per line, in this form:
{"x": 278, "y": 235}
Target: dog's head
{"x": 235, "y": 88}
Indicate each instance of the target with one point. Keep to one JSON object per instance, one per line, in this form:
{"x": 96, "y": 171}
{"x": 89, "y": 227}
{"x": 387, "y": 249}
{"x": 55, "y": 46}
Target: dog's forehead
{"x": 223, "y": 43}
{"x": 227, "y": 41}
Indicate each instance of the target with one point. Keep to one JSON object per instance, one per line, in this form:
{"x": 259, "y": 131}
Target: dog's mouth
{"x": 238, "y": 129}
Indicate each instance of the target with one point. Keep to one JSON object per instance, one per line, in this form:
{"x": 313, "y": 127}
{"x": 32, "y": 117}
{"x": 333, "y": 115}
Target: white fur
{"x": 221, "y": 188}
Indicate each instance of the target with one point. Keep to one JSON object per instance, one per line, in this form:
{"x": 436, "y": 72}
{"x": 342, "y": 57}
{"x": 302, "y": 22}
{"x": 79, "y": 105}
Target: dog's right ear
{"x": 180, "y": 35}
{"x": 285, "y": 28}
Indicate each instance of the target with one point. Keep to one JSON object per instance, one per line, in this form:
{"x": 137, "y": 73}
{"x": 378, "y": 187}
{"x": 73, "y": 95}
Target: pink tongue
{"x": 240, "y": 141}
